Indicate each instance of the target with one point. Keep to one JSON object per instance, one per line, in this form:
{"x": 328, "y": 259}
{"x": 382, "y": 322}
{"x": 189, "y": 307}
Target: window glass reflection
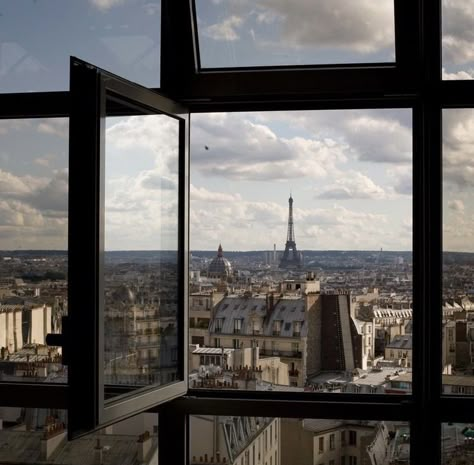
{"x": 38, "y": 36}
{"x": 33, "y": 247}
{"x": 302, "y": 32}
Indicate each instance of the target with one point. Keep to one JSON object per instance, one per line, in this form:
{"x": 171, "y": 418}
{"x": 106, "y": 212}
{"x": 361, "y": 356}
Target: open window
{"x": 128, "y": 192}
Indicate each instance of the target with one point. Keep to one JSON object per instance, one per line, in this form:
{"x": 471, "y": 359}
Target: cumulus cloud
{"x": 456, "y": 205}
{"x": 401, "y": 179}
{"x": 145, "y": 136}
{"x": 365, "y": 26}
{"x": 235, "y": 146}
{"x": 225, "y": 30}
{"x": 380, "y": 139}
{"x": 9, "y": 125}
{"x": 458, "y": 32}
{"x": 352, "y": 185}
{"x": 458, "y": 148}
{"x": 53, "y": 196}
{"x": 54, "y": 126}
{"x": 203, "y": 194}
{"x": 381, "y": 135}
{"x": 152, "y": 8}
{"x": 105, "y": 5}
{"x": 459, "y": 75}
{"x": 153, "y": 180}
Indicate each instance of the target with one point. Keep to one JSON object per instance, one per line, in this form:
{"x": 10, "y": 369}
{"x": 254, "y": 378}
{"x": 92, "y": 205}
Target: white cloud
{"x": 456, "y": 205}
{"x": 235, "y": 146}
{"x": 352, "y": 185}
{"x": 226, "y": 30}
{"x": 55, "y": 126}
{"x": 9, "y": 125}
{"x": 203, "y": 194}
{"x": 105, "y": 5}
{"x": 458, "y": 148}
{"x": 458, "y": 32}
{"x": 459, "y": 75}
{"x": 401, "y": 179}
{"x": 364, "y": 26}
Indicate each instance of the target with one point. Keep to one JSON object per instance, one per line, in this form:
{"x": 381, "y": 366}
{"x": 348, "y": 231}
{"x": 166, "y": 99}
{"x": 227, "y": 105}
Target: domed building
{"x": 220, "y": 267}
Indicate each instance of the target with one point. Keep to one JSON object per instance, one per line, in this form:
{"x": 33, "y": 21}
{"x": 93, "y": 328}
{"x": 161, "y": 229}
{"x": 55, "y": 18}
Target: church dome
{"x": 219, "y": 267}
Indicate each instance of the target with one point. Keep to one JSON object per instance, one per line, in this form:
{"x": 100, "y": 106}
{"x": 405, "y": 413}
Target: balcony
{"x": 281, "y": 353}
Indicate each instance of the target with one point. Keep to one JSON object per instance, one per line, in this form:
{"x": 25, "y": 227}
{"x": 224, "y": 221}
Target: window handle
{"x": 60, "y": 339}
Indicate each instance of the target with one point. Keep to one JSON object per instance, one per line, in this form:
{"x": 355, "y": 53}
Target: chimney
{"x": 54, "y": 435}
{"x": 98, "y": 453}
{"x": 143, "y": 446}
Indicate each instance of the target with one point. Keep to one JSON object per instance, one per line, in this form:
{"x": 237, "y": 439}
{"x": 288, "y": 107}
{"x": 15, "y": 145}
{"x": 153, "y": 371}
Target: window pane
{"x": 141, "y": 243}
{"x": 38, "y": 435}
{"x": 301, "y": 239}
{"x": 288, "y": 441}
{"x": 458, "y": 258}
{"x": 33, "y": 244}
{"x": 39, "y": 36}
{"x": 277, "y": 32}
{"x": 458, "y": 39}
{"x": 456, "y": 443}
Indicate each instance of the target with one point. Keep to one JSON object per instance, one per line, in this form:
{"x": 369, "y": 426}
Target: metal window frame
{"x": 91, "y": 89}
{"x": 416, "y": 83}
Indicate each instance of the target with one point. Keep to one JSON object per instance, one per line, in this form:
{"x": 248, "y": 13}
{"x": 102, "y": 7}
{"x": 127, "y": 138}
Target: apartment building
{"x": 234, "y": 440}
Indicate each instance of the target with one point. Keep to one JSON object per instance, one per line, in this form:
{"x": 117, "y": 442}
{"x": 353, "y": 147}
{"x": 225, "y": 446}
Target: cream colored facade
{"x": 12, "y": 322}
{"x": 200, "y": 313}
{"x": 234, "y": 440}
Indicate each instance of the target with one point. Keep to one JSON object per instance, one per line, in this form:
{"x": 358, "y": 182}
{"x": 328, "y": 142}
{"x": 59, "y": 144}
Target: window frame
{"x": 416, "y": 83}
{"x": 94, "y": 94}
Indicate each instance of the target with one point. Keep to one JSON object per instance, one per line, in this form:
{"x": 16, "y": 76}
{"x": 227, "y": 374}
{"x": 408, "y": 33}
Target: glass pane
{"x": 141, "y": 250}
{"x": 301, "y": 239}
{"x": 39, "y": 435}
{"x": 458, "y": 258}
{"x": 457, "y": 443}
{"x": 302, "y": 32}
{"x": 33, "y": 247}
{"x": 458, "y": 39}
{"x": 288, "y": 441}
{"x": 38, "y": 37}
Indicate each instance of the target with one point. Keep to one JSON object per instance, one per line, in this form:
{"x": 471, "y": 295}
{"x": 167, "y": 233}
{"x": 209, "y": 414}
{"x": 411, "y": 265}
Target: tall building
{"x": 291, "y": 257}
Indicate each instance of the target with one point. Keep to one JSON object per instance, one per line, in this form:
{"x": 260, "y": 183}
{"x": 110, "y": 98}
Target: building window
{"x": 218, "y": 325}
{"x": 343, "y": 438}
{"x": 237, "y": 325}
{"x": 296, "y": 328}
{"x": 353, "y": 438}
{"x": 332, "y": 441}
{"x": 236, "y": 343}
{"x": 277, "y": 327}
{"x": 321, "y": 445}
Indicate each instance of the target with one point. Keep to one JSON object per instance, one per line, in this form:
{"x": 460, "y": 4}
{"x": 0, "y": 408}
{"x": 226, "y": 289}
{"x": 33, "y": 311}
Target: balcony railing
{"x": 280, "y": 353}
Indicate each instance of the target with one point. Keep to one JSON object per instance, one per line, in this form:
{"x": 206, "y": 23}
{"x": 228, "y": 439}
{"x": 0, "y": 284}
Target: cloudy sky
{"x": 458, "y": 39}
{"x": 349, "y": 171}
{"x": 458, "y": 180}
{"x": 278, "y": 32}
{"x": 123, "y": 36}
{"x": 38, "y": 36}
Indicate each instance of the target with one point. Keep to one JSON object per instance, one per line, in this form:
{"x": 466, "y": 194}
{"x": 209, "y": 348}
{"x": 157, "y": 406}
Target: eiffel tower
{"x": 291, "y": 257}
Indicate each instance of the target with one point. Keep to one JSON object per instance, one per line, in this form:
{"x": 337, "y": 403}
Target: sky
{"x": 123, "y": 36}
{"x": 349, "y": 172}
{"x": 38, "y": 36}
